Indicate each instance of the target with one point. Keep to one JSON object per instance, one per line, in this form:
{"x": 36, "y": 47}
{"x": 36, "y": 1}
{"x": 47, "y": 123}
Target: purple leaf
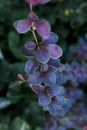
{"x": 27, "y": 52}
{"x": 54, "y": 62}
{"x": 54, "y": 50}
{"x": 35, "y": 78}
{"x": 44, "y": 67}
{"x": 22, "y": 26}
{"x": 52, "y": 107}
{"x": 50, "y": 79}
{"x": 61, "y": 91}
{"x": 42, "y": 55}
{"x": 53, "y": 90}
{"x": 51, "y": 69}
{"x": 59, "y": 77}
{"x": 62, "y": 101}
{"x": 30, "y": 66}
{"x": 43, "y": 28}
{"x": 38, "y": 88}
{"x": 44, "y": 99}
{"x": 61, "y": 111}
{"x": 56, "y": 109}
{"x": 52, "y": 39}
{"x": 30, "y": 45}
{"x": 32, "y": 16}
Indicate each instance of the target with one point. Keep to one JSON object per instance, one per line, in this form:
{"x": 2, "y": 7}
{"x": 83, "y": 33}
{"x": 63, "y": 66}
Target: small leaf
{"x": 19, "y": 124}
{"x": 15, "y": 45}
{"x": 4, "y": 103}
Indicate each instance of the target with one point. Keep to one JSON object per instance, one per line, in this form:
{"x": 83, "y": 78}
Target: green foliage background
{"x": 18, "y": 105}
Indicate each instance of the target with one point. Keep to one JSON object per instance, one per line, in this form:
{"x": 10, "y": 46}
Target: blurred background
{"x": 19, "y": 109}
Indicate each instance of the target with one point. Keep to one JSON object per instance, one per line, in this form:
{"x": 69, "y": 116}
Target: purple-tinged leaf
{"x": 22, "y": 26}
{"x": 44, "y": 99}
{"x": 50, "y": 79}
{"x": 52, "y": 107}
{"x": 44, "y": 67}
{"x": 38, "y": 88}
{"x": 31, "y": 66}
{"x": 61, "y": 111}
{"x": 53, "y": 90}
{"x": 52, "y": 39}
{"x": 56, "y": 109}
{"x": 51, "y": 69}
{"x": 27, "y": 52}
{"x": 62, "y": 101}
{"x": 35, "y": 78}
{"x": 54, "y": 62}
{"x": 78, "y": 94}
{"x": 59, "y": 77}
{"x": 30, "y": 45}
{"x": 61, "y": 91}
{"x": 54, "y": 50}
{"x": 32, "y": 16}
{"x": 68, "y": 105}
{"x": 42, "y": 55}
{"x": 43, "y": 28}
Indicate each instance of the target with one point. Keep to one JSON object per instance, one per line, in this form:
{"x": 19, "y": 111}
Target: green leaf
{"x": 16, "y": 68}
{"x": 4, "y": 103}
{"x": 4, "y": 74}
{"x": 38, "y": 128}
{"x": 19, "y": 124}
{"x": 15, "y": 45}
{"x": 3, "y": 126}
